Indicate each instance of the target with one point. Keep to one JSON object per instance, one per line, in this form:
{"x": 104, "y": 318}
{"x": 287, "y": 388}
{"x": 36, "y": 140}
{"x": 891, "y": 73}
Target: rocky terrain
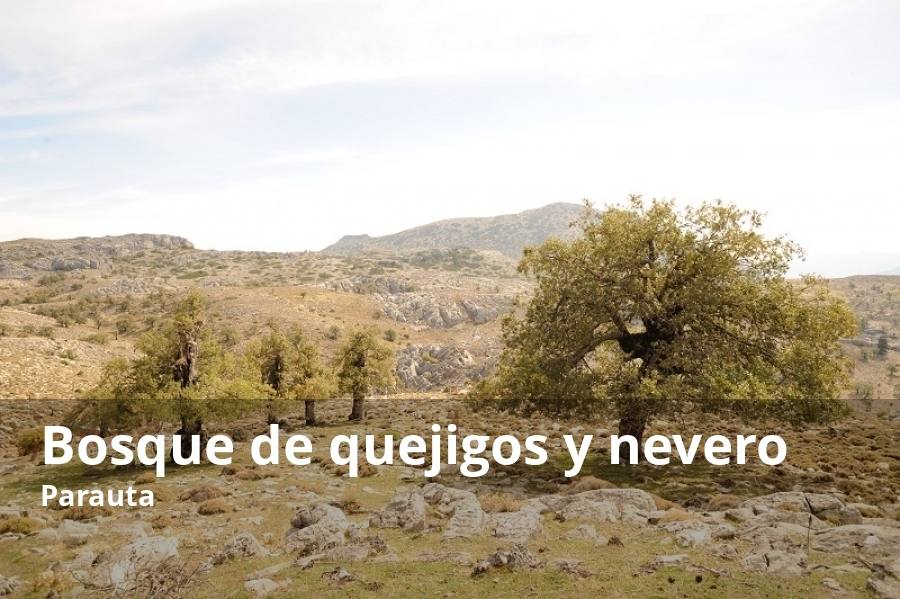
{"x": 816, "y": 526}
{"x": 67, "y": 306}
{"x": 23, "y": 258}
{"x": 507, "y": 234}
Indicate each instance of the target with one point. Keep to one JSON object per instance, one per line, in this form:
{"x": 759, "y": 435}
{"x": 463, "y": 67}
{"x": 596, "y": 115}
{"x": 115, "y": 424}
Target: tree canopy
{"x": 364, "y": 364}
{"x": 651, "y": 305}
{"x": 288, "y": 364}
{"x": 181, "y": 373}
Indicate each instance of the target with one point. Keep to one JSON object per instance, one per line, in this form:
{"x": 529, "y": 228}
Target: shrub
{"x": 499, "y": 502}
{"x": 390, "y": 335}
{"x": 30, "y": 441}
{"x": 96, "y": 338}
{"x": 20, "y": 524}
{"x": 211, "y": 507}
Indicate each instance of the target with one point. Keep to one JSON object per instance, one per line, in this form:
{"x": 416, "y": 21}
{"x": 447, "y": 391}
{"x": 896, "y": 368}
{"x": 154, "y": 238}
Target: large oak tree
{"x": 652, "y": 306}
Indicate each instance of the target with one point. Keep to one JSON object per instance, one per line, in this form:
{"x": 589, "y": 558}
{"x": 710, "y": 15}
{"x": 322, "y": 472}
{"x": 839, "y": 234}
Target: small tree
{"x": 651, "y": 306}
{"x": 363, "y": 364}
{"x": 182, "y": 374}
{"x": 289, "y": 366}
{"x": 883, "y": 346}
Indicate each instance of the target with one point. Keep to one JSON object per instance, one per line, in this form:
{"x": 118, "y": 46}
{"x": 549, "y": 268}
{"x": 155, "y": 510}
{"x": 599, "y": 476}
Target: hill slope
{"x": 21, "y": 258}
{"x": 507, "y": 234}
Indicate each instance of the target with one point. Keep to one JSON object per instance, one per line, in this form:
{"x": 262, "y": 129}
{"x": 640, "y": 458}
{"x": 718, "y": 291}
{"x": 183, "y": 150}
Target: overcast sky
{"x": 263, "y": 124}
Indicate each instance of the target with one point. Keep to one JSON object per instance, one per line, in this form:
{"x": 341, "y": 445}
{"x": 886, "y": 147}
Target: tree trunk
{"x": 633, "y": 420}
{"x": 310, "y": 406}
{"x": 359, "y": 411}
{"x": 271, "y": 416}
{"x": 188, "y": 429}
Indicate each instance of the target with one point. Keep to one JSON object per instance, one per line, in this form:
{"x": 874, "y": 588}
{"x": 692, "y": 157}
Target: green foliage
{"x": 651, "y": 305}
{"x": 364, "y": 365}
{"x": 30, "y": 441}
{"x": 883, "y": 346}
{"x": 182, "y": 374}
{"x": 390, "y": 335}
{"x": 289, "y": 367}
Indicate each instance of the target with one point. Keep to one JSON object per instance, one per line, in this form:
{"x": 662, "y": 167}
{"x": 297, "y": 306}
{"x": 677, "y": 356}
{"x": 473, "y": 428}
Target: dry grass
{"x": 145, "y": 478}
{"x": 211, "y": 507}
{"x": 201, "y": 494}
{"x": 499, "y": 502}
{"x": 20, "y": 525}
{"x": 84, "y": 512}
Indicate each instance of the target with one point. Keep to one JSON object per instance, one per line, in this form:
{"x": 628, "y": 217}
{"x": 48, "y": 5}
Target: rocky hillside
{"x": 20, "y": 259}
{"x": 507, "y": 234}
{"x": 824, "y": 524}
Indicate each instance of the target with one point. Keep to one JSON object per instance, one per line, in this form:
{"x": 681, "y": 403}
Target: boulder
{"x": 124, "y": 566}
{"x": 865, "y": 538}
{"x": 242, "y": 545}
{"x": 261, "y": 587}
{"x": 72, "y": 533}
{"x": 8, "y": 585}
{"x": 776, "y": 562}
{"x": 885, "y": 580}
{"x": 316, "y": 528}
{"x": 406, "y": 510}
{"x": 467, "y": 519}
{"x": 603, "y": 505}
{"x": 520, "y": 525}
{"x": 516, "y": 557}
{"x": 572, "y": 567}
{"x": 823, "y": 506}
{"x": 586, "y": 532}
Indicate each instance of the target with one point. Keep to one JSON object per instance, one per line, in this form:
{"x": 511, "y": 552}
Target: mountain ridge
{"x": 505, "y": 233}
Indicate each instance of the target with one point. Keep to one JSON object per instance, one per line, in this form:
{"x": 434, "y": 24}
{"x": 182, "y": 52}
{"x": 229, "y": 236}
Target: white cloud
{"x": 187, "y": 106}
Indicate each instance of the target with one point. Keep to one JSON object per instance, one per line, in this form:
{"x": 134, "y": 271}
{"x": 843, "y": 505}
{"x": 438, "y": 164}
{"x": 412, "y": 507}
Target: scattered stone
{"x": 572, "y": 567}
{"x": 603, "y": 505}
{"x": 467, "y": 519}
{"x": 776, "y": 562}
{"x": 723, "y": 551}
{"x": 866, "y": 538}
{"x": 8, "y": 585}
{"x": 694, "y": 533}
{"x": 586, "y": 532}
{"x": 520, "y": 525}
{"x": 664, "y": 561}
{"x": 242, "y": 545}
{"x": 885, "y": 580}
{"x": 316, "y": 528}
{"x": 516, "y": 557}
{"x": 338, "y": 576}
{"x": 261, "y": 587}
{"x": 406, "y": 510}
{"x": 122, "y": 568}
{"x": 73, "y": 534}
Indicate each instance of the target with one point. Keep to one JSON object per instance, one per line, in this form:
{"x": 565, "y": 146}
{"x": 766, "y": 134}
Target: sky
{"x": 283, "y": 125}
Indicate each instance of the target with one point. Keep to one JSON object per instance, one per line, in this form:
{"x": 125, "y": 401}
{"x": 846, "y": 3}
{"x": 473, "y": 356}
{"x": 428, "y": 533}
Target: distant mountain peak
{"x": 508, "y": 234}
